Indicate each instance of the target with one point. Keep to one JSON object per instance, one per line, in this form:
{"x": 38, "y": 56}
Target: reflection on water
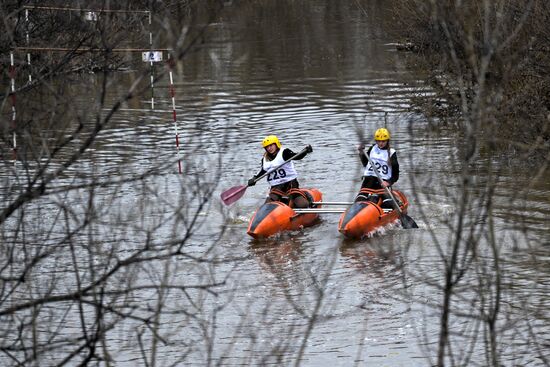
{"x": 276, "y": 255}
{"x": 370, "y": 257}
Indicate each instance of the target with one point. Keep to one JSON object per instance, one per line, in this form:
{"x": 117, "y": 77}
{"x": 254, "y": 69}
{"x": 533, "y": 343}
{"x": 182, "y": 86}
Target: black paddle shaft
{"x": 406, "y": 221}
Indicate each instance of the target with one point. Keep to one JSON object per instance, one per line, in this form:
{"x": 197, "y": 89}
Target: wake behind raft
{"x": 357, "y": 220}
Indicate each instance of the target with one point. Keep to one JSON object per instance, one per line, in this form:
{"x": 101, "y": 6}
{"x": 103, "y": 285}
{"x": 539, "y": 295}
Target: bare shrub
{"x": 493, "y": 52}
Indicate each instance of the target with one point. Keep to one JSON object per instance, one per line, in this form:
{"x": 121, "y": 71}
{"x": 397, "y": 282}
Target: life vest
{"x": 283, "y": 174}
{"x": 380, "y": 159}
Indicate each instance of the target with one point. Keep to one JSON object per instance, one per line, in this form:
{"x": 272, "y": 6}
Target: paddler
{"x": 385, "y": 160}
{"x": 284, "y": 180}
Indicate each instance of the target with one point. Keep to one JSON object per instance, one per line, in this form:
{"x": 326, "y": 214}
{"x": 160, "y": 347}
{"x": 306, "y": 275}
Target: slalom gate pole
{"x": 27, "y": 39}
{"x": 13, "y": 110}
{"x": 152, "y": 67}
{"x": 174, "y": 117}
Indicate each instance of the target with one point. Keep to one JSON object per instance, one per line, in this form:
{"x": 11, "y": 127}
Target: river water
{"x": 324, "y": 73}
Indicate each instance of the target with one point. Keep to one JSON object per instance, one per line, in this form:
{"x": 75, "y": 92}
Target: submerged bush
{"x": 488, "y": 62}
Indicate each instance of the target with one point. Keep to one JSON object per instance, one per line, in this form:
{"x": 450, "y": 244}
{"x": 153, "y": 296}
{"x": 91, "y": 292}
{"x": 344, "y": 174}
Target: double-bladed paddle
{"x": 233, "y": 194}
{"x": 406, "y": 221}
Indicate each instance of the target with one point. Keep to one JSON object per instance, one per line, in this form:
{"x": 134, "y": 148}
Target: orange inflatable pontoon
{"x": 363, "y": 217}
{"x": 275, "y": 217}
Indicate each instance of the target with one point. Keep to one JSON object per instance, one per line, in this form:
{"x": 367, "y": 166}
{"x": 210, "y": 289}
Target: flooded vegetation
{"x": 487, "y": 63}
{"x": 116, "y": 249}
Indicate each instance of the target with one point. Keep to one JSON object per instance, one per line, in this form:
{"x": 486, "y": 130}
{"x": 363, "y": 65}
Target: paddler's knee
{"x": 300, "y": 202}
{"x": 300, "y": 198}
{"x": 373, "y": 198}
{"x": 387, "y": 203}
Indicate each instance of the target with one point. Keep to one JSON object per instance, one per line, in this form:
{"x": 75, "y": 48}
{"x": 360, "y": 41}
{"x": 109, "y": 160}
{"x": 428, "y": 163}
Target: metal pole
{"x": 174, "y": 117}
{"x": 27, "y": 39}
{"x": 152, "y": 67}
{"x": 13, "y": 110}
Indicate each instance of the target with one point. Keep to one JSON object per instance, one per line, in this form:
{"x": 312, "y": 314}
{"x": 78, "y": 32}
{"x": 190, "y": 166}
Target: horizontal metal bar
{"x": 386, "y": 210}
{"x": 327, "y": 210}
{"x": 30, "y": 7}
{"x": 332, "y": 202}
{"x": 88, "y": 49}
{"x": 319, "y": 210}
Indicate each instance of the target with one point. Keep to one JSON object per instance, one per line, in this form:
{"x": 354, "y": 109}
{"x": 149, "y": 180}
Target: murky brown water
{"x": 313, "y": 72}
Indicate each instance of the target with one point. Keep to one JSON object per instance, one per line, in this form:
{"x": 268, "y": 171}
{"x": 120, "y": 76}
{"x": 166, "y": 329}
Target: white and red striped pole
{"x": 174, "y": 117}
{"x": 12, "y": 99}
{"x": 151, "y": 63}
{"x": 27, "y": 38}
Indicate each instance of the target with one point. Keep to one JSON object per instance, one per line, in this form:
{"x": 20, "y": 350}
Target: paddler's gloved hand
{"x": 309, "y": 149}
{"x": 361, "y": 148}
{"x": 252, "y": 181}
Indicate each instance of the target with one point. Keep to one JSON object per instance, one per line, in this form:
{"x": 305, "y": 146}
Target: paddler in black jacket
{"x": 385, "y": 160}
{"x": 284, "y": 180}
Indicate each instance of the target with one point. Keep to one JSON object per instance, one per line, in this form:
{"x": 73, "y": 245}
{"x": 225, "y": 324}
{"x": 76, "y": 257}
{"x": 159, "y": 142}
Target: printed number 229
{"x": 280, "y": 173}
{"x": 380, "y": 167}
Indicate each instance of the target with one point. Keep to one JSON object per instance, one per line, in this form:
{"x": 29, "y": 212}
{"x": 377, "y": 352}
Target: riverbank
{"x": 488, "y": 64}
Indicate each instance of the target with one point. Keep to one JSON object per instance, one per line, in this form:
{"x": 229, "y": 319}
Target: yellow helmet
{"x": 271, "y": 139}
{"x": 382, "y": 134}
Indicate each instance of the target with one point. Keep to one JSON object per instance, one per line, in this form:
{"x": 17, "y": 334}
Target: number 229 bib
{"x": 283, "y": 174}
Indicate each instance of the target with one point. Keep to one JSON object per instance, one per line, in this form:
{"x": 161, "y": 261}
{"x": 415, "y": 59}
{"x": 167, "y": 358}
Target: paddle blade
{"x": 233, "y": 194}
{"x": 407, "y": 222}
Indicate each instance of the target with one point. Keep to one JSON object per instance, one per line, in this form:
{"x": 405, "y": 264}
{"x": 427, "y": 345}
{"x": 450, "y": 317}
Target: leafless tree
{"x": 85, "y": 272}
{"x": 479, "y": 53}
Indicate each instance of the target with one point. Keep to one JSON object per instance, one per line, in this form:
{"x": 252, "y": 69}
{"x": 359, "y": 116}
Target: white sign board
{"x": 152, "y": 56}
{"x": 91, "y": 16}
